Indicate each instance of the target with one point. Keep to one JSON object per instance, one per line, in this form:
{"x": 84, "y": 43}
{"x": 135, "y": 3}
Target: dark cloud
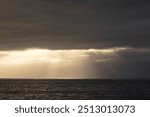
{"x": 57, "y": 24}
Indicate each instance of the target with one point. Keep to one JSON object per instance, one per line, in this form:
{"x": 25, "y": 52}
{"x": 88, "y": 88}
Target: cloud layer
{"x": 74, "y": 24}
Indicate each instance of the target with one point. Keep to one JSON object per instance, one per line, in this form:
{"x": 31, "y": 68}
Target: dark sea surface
{"x": 74, "y": 89}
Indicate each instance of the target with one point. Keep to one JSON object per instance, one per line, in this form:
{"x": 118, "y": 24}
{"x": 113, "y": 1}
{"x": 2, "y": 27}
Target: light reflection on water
{"x": 74, "y": 89}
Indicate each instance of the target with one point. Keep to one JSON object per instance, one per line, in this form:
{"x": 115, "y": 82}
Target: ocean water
{"x": 74, "y": 89}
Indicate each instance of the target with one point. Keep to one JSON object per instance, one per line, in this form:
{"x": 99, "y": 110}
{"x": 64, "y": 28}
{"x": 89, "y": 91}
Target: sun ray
{"x": 36, "y": 62}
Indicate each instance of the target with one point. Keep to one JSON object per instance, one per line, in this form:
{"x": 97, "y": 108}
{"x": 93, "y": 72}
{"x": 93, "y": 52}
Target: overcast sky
{"x": 81, "y": 24}
{"x": 73, "y": 24}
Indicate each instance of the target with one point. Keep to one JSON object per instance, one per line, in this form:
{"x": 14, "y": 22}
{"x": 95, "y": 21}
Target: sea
{"x": 71, "y": 89}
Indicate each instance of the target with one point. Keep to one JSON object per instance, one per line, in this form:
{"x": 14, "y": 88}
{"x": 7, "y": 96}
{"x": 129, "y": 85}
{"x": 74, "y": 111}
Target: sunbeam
{"x": 36, "y": 63}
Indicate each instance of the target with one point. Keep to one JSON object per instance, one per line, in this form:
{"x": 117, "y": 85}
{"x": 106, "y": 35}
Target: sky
{"x": 75, "y": 39}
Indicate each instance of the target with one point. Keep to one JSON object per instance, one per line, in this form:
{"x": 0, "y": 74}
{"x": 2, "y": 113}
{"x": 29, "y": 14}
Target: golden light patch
{"x": 34, "y": 63}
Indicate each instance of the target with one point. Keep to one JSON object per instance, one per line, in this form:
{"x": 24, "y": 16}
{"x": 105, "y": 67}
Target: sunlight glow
{"x": 53, "y": 63}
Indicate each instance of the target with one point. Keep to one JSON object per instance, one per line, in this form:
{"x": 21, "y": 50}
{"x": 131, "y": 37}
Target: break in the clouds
{"x": 84, "y": 63}
{"x": 74, "y": 24}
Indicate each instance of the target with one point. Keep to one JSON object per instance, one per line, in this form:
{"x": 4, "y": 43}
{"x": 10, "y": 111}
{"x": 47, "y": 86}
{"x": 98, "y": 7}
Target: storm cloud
{"x": 74, "y": 24}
